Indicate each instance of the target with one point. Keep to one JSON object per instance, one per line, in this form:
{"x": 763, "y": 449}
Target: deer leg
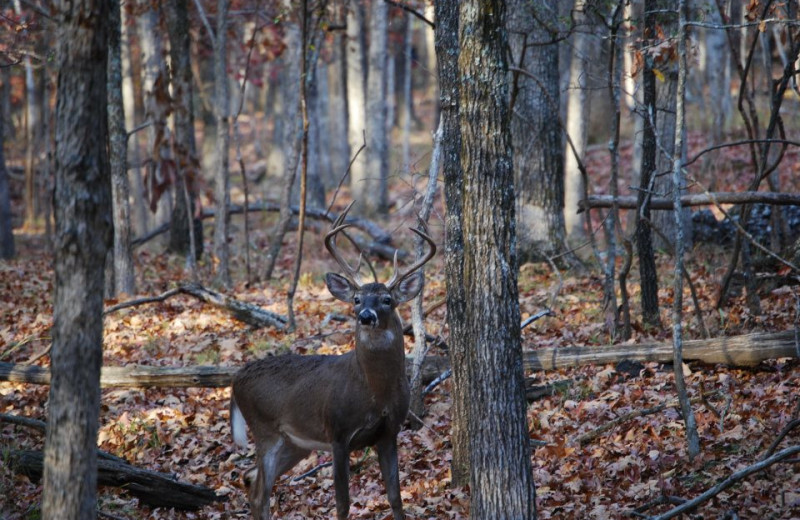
{"x": 271, "y": 457}
{"x": 341, "y": 477}
{"x": 387, "y": 457}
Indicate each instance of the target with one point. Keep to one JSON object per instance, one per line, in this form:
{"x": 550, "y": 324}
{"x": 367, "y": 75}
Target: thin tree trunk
{"x": 7, "y": 249}
{"x": 447, "y": 52}
{"x": 692, "y": 437}
{"x": 83, "y": 234}
{"x": 124, "y": 281}
{"x": 32, "y": 123}
{"x": 501, "y": 480}
{"x": 222, "y": 192}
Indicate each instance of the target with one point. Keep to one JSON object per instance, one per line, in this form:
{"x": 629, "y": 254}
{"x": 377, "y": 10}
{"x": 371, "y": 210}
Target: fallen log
{"x": 150, "y": 487}
{"x": 746, "y": 350}
{"x": 694, "y": 199}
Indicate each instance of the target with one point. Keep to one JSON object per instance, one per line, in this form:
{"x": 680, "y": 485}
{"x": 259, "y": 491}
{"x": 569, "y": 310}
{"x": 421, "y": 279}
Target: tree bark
{"x": 375, "y": 200}
{"x": 501, "y": 481}
{"x": 447, "y": 51}
{"x": 83, "y": 233}
{"x": 222, "y": 191}
{"x": 7, "y": 249}
{"x": 356, "y": 101}
{"x": 124, "y": 280}
{"x": 536, "y": 132}
{"x": 186, "y": 231}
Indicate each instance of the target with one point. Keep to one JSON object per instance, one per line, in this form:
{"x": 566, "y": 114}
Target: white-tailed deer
{"x": 297, "y": 403}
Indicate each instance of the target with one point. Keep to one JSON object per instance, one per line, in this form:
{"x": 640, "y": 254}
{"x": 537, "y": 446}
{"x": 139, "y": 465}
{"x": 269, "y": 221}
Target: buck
{"x": 294, "y": 404}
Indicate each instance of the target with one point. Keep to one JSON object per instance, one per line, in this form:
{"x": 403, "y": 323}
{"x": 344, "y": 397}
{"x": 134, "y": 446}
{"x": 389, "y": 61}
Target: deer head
{"x": 294, "y": 403}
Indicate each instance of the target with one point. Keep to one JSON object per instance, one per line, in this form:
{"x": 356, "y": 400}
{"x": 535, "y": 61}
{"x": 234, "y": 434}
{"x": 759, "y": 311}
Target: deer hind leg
{"x": 275, "y": 457}
{"x": 387, "y": 457}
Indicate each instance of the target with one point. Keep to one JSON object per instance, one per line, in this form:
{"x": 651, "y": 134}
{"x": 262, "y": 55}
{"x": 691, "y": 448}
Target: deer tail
{"x": 238, "y": 425}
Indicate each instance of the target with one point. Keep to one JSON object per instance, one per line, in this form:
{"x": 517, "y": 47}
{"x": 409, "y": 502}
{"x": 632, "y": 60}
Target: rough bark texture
{"x": 376, "y": 199}
{"x": 83, "y": 234}
{"x": 222, "y": 191}
{"x": 124, "y": 281}
{"x": 644, "y": 234}
{"x": 446, "y": 36}
{"x": 7, "y": 249}
{"x": 536, "y": 133}
{"x": 501, "y": 482}
{"x": 182, "y": 236}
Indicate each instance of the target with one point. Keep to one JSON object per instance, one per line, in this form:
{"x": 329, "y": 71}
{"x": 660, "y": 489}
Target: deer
{"x": 294, "y": 404}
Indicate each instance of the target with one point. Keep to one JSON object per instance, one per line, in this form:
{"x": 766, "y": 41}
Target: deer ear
{"x": 408, "y": 288}
{"x": 340, "y": 287}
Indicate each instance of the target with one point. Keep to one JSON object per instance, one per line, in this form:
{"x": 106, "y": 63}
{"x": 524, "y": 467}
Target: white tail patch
{"x": 238, "y": 425}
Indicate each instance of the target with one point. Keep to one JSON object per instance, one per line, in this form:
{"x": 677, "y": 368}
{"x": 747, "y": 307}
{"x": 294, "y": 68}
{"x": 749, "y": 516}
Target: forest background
{"x": 605, "y": 99}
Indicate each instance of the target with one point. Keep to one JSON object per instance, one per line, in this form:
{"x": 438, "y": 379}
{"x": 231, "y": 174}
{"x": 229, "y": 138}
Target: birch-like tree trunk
{"x": 222, "y": 191}
{"x": 124, "y": 280}
{"x": 501, "y": 480}
{"x": 375, "y": 200}
{"x": 83, "y": 234}
{"x": 356, "y": 101}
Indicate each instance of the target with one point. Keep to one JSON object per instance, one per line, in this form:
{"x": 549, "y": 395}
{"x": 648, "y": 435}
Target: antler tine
{"x": 330, "y": 244}
{"x": 422, "y": 261}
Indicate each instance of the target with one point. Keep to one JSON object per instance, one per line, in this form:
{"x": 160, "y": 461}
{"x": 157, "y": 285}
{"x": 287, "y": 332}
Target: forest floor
{"x": 186, "y": 432}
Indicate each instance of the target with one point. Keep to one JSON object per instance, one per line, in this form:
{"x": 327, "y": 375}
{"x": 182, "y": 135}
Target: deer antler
{"x": 330, "y": 244}
{"x": 395, "y": 279}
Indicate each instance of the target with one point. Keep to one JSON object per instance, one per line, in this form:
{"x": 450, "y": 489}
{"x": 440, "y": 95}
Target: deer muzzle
{"x": 368, "y": 317}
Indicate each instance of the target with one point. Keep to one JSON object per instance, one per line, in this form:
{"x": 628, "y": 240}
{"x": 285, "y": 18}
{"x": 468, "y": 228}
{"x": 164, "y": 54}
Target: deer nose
{"x": 368, "y": 317}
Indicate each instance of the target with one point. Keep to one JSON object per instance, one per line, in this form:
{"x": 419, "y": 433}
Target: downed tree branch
{"x": 593, "y": 434}
{"x": 695, "y": 199}
{"x": 248, "y": 313}
{"x": 728, "y": 482}
{"x": 152, "y": 488}
{"x": 746, "y": 350}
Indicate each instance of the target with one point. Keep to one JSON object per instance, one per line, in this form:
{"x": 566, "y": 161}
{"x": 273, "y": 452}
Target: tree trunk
{"x": 83, "y": 233}
{"x": 536, "y": 133}
{"x": 375, "y": 200}
{"x": 356, "y": 102}
{"x": 577, "y": 123}
{"x": 643, "y": 233}
{"x": 32, "y": 125}
{"x": 501, "y": 483}
{"x": 7, "y": 249}
{"x": 186, "y": 231}
{"x": 222, "y": 192}
{"x": 124, "y": 281}
{"x": 446, "y": 34}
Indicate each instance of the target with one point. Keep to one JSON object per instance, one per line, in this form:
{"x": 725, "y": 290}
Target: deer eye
{"x": 387, "y": 300}
{"x": 357, "y": 300}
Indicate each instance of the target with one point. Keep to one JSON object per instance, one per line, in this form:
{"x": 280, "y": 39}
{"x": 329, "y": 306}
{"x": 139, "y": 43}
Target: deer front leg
{"x": 341, "y": 477}
{"x": 387, "y": 456}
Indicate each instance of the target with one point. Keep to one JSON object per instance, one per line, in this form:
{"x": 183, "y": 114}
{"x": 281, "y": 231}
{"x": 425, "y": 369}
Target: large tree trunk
{"x": 536, "y": 133}
{"x": 222, "y": 192}
{"x": 375, "y": 200}
{"x": 83, "y": 233}
{"x": 501, "y": 483}
{"x": 7, "y": 250}
{"x": 446, "y": 34}
{"x": 124, "y": 281}
{"x": 186, "y": 231}
{"x": 356, "y": 101}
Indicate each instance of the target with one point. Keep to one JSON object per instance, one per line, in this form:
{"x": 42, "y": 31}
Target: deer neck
{"x": 381, "y": 359}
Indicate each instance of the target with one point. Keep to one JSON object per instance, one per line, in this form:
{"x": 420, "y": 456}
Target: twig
{"x": 312, "y": 471}
{"x": 436, "y": 382}
{"x": 540, "y": 314}
{"x": 408, "y": 9}
{"x": 784, "y": 432}
{"x": 36, "y": 357}
{"x": 728, "y": 482}
{"x": 140, "y": 301}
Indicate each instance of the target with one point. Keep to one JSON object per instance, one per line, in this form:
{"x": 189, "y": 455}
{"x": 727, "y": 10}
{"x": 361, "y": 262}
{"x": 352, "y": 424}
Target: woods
{"x": 611, "y": 189}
